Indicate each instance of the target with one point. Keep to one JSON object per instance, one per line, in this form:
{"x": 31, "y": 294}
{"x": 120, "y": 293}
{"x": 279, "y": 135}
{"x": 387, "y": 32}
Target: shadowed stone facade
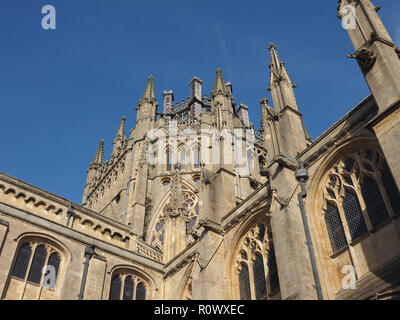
{"x": 303, "y": 220}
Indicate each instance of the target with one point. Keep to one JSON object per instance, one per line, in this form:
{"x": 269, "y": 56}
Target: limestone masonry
{"x": 298, "y": 219}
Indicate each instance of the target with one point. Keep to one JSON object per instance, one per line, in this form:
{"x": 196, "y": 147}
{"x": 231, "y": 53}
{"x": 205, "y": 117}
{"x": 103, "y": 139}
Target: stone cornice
{"x": 181, "y": 260}
{"x": 14, "y": 182}
{"x": 80, "y": 236}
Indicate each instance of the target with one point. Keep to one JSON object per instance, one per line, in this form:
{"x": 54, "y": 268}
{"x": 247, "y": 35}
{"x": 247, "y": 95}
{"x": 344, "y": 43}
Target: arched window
{"x": 191, "y": 205}
{"x": 169, "y": 160}
{"x": 360, "y": 196}
{"x": 127, "y": 286}
{"x": 260, "y": 285}
{"x": 244, "y": 282}
{"x": 256, "y": 265}
{"x": 141, "y": 291}
{"x": 22, "y": 261}
{"x": 37, "y": 263}
{"x": 115, "y": 290}
{"x": 196, "y": 157}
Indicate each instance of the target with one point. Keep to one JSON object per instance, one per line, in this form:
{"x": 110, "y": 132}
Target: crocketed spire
{"x": 149, "y": 93}
{"x": 280, "y": 84}
{"x": 99, "y": 157}
{"x": 219, "y": 84}
{"x": 121, "y": 130}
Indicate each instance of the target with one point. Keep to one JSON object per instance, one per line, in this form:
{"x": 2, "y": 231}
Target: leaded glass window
{"x": 127, "y": 286}
{"x": 54, "y": 261}
{"x": 256, "y": 264}
{"x": 244, "y": 283}
{"x": 360, "y": 195}
{"x": 376, "y": 208}
{"x": 335, "y": 227}
{"x": 22, "y": 261}
{"x": 34, "y": 260}
{"x": 391, "y": 188}
{"x": 141, "y": 291}
{"x": 353, "y": 212}
{"x": 115, "y": 290}
{"x": 272, "y": 269}
{"x": 260, "y": 285}
{"x": 38, "y": 262}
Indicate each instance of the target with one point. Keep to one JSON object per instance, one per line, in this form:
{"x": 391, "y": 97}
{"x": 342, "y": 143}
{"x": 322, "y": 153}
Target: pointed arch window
{"x": 196, "y": 157}
{"x": 360, "y": 196}
{"x": 39, "y": 259}
{"x": 35, "y": 260}
{"x": 115, "y": 290}
{"x": 22, "y": 261}
{"x": 127, "y": 286}
{"x": 244, "y": 282}
{"x": 141, "y": 291}
{"x": 169, "y": 160}
{"x": 256, "y": 265}
{"x": 190, "y": 204}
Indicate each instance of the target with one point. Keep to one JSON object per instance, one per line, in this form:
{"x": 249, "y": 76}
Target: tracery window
{"x": 256, "y": 265}
{"x": 36, "y": 260}
{"x": 126, "y": 286}
{"x": 360, "y": 195}
{"x": 190, "y": 203}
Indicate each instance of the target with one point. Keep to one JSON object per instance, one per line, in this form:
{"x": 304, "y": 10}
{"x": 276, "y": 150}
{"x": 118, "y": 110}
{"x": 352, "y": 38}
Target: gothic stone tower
{"x": 193, "y": 203}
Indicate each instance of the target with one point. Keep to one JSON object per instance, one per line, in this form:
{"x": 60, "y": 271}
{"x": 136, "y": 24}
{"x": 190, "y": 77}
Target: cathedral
{"x": 194, "y": 204}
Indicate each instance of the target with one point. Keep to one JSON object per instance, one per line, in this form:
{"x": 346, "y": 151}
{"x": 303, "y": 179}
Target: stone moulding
{"x": 84, "y": 220}
{"x": 364, "y": 112}
{"x": 191, "y": 256}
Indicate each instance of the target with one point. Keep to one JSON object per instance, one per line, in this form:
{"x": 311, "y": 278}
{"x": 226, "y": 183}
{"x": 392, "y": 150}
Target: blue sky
{"x": 63, "y": 90}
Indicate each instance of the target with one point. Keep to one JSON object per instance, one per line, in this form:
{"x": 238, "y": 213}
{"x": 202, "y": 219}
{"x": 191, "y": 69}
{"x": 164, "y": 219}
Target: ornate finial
{"x": 121, "y": 129}
{"x": 275, "y": 64}
{"x": 99, "y": 157}
{"x": 175, "y": 207}
{"x": 120, "y": 139}
{"x": 219, "y": 84}
{"x": 149, "y": 93}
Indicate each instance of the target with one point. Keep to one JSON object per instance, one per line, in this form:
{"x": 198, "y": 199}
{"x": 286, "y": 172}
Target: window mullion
{"x": 28, "y": 269}
{"x": 378, "y": 179}
{"x": 251, "y": 278}
{"x": 135, "y": 284}
{"x": 48, "y": 250}
{"x": 346, "y": 227}
{"x": 362, "y": 202}
{"x": 267, "y": 278}
{"x": 121, "y": 295}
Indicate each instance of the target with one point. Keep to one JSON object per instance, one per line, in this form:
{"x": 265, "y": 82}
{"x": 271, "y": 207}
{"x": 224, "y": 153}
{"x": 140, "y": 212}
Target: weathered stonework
{"x": 311, "y": 219}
